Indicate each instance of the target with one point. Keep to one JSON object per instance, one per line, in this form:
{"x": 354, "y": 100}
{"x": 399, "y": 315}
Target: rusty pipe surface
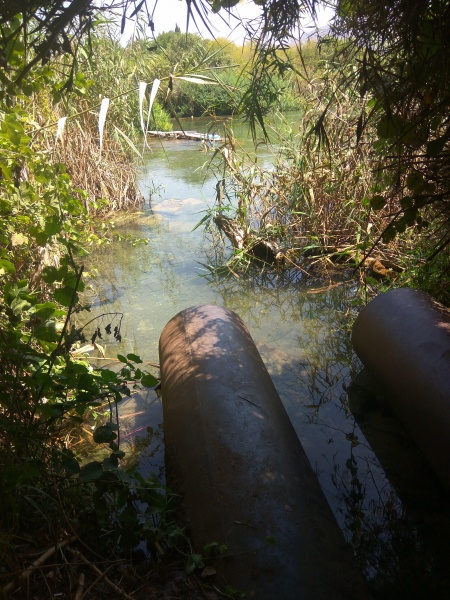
{"x": 234, "y": 458}
{"x": 403, "y": 338}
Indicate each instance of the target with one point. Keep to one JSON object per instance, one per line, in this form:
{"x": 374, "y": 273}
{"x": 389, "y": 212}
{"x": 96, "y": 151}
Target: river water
{"x": 302, "y": 332}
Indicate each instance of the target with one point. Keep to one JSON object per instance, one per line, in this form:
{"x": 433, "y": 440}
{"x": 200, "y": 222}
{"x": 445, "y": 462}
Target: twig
{"x": 79, "y": 593}
{"x": 36, "y": 564}
{"x": 77, "y": 554}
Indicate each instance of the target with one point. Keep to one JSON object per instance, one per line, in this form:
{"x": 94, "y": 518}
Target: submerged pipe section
{"x": 243, "y": 477}
{"x": 403, "y": 338}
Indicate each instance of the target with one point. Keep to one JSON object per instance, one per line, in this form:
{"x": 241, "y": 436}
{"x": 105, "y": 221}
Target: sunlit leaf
{"x": 128, "y": 141}
{"x": 149, "y": 381}
{"x": 6, "y": 266}
{"x": 65, "y": 296}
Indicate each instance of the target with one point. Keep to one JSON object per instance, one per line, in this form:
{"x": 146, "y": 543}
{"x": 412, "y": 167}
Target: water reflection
{"x": 400, "y": 536}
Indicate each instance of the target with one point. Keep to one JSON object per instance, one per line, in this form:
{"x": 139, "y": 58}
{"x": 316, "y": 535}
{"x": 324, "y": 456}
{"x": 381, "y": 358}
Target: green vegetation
{"x": 380, "y": 126}
{"x": 366, "y": 178}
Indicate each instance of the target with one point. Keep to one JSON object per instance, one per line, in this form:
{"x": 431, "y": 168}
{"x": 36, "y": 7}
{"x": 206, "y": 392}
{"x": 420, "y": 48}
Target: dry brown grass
{"x": 107, "y": 177}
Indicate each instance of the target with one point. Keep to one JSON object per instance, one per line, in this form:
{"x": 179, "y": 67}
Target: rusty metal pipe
{"x": 403, "y": 338}
{"x": 235, "y": 460}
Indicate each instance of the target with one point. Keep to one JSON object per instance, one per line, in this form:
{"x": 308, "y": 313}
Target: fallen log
{"x": 260, "y": 249}
{"x": 186, "y": 135}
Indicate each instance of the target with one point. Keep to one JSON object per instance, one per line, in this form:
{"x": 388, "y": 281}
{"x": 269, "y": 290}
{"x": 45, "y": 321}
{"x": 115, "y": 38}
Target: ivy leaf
{"x": 134, "y": 357}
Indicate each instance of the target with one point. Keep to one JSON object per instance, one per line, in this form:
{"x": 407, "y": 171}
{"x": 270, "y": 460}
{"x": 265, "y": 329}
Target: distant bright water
{"x": 303, "y": 336}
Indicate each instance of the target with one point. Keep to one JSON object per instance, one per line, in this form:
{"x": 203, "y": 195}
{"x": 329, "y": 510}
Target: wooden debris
{"x": 259, "y": 248}
{"x": 35, "y": 565}
{"x": 101, "y": 576}
{"x": 187, "y": 135}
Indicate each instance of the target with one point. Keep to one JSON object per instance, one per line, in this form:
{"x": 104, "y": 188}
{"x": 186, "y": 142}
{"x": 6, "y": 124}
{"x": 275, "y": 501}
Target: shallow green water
{"x": 304, "y": 340}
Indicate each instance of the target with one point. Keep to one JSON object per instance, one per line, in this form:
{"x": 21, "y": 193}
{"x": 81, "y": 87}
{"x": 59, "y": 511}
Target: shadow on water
{"x": 387, "y": 503}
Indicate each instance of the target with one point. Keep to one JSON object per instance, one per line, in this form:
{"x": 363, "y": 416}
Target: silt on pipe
{"x": 235, "y": 460}
{"x": 403, "y": 339}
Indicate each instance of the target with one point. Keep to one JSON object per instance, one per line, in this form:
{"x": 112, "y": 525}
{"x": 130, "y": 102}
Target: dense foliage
{"x": 370, "y": 169}
{"x": 48, "y": 389}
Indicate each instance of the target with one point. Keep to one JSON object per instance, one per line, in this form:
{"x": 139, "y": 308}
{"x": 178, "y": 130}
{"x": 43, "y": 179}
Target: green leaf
{"x": 51, "y": 274}
{"x": 435, "y": 147}
{"x": 134, "y": 358}
{"x": 149, "y": 381}
{"x": 6, "y": 266}
{"x": 406, "y": 202}
{"x": 65, "y": 296}
{"x": 389, "y": 127}
{"x": 122, "y": 358}
{"x": 91, "y": 472}
{"x": 377, "y": 202}
{"x": 104, "y": 434}
{"x": 414, "y": 181}
{"x": 70, "y": 464}
{"x": 111, "y": 463}
{"x": 50, "y": 331}
{"x": 389, "y": 234}
{"x": 45, "y": 311}
{"x": 108, "y": 375}
{"x": 53, "y": 226}
{"x": 19, "y": 305}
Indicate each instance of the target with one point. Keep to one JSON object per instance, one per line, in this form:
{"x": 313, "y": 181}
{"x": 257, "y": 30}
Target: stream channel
{"x": 387, "y": 503}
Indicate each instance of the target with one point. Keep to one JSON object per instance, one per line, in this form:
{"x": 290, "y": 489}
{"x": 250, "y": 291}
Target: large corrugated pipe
{"x": 403, "y": 338}
{"x": 233, "y": 456}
